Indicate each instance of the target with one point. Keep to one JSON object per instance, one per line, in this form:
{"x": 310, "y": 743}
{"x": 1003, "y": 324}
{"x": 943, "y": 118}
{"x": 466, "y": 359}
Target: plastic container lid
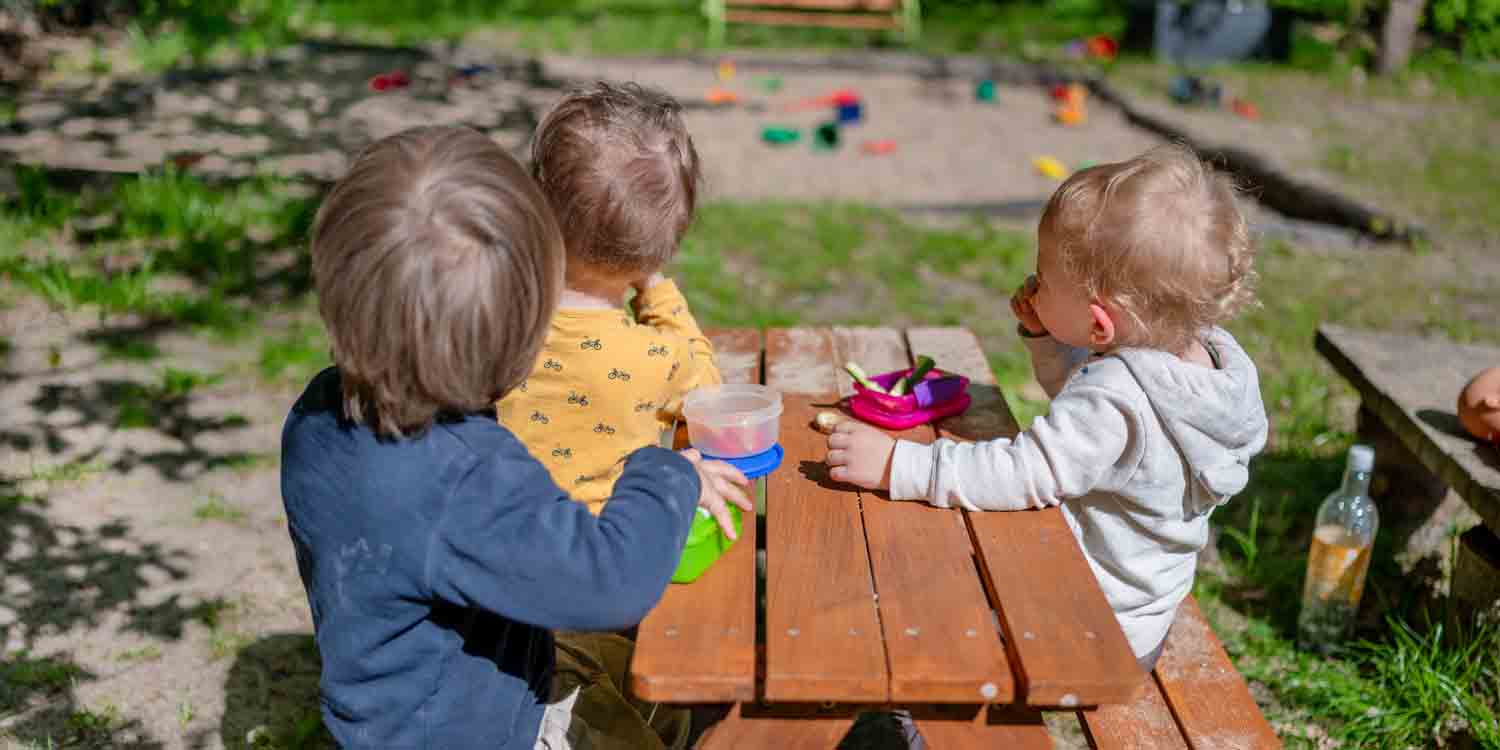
{"x": 1361, "y": 458}
{"x": 757, "y": 465}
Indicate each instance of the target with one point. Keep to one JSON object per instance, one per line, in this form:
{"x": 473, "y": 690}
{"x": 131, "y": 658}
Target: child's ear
{"x": 1102, "y": 332}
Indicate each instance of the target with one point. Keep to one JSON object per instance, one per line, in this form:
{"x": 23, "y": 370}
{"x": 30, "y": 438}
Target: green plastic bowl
{"x": 706, "y": 543}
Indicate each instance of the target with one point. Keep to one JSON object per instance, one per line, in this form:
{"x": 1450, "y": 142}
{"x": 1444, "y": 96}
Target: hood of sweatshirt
{"x": 1215, "y": 416}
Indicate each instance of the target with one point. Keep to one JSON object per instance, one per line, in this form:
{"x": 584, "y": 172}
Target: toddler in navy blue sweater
{"x": 437, "y": 554}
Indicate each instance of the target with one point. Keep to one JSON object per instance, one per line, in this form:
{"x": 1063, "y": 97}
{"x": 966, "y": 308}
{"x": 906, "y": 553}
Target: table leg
{"x": 751, "y": 728}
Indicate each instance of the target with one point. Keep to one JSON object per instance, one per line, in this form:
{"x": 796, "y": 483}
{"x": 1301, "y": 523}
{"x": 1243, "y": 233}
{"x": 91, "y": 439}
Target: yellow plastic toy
{"x": 1050, "y": 167}
{"x": 726, "y": 71}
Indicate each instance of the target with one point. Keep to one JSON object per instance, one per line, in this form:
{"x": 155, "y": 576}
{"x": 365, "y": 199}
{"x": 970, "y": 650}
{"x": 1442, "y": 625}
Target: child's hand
{"x": 1020, "y": 305}
{"x": 860, "y": 454}
{"x": 719, "y": 480}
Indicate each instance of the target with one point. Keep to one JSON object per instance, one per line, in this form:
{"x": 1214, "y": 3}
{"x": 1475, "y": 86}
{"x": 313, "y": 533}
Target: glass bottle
{"x": 1343, "y": 539}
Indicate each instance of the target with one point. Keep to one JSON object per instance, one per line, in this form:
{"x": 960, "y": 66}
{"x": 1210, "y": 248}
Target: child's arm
{"x": 1088, "y": 434}
{"x": 515, "y": 544}
{"x": 661, "y": 305}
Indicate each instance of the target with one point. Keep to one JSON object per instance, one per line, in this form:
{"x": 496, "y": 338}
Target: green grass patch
{"x": 71, "y": 471}
{"x": 160, "y": 230}
{"x": 130, "y": 349}
{"x": 14, "y": 500}
{"x": 140, "y": 405}
{"x": 245, "y": 463}
{"x": 214, "y": 508}
{"x": 87, "y": 721}
{"x": 224, "y": 643}
{"x": 23, "y": 671}
{"x": 149, "y": 652}
{"x": 296, "y": 355}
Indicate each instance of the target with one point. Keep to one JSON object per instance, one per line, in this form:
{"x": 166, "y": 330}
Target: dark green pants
{"x": 597, "y": 665}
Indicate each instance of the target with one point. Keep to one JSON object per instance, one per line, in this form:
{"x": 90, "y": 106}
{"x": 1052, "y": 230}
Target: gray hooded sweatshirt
{"x": 1138, "y": 447}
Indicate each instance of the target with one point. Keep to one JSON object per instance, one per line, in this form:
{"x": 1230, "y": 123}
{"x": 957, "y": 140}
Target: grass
{"x": 597, "y": 26}
{"x": 245, "y": 463}
{"x": 154, "y": 231}
{"x": 24, "y": 672}
{"x": 143, "y": 405}
{"x": 71, "y": 471}
{"x": 149, "y": 652}
{"x": 214, "y": 508}
{"x": 295, "y": 355}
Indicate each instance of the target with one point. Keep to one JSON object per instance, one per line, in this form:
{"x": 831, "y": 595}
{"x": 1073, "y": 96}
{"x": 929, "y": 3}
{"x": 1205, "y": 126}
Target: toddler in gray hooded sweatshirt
{"x": 1155, "y": 412}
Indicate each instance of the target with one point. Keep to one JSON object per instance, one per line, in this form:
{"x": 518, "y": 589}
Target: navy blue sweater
{"x": 436, "y": 567}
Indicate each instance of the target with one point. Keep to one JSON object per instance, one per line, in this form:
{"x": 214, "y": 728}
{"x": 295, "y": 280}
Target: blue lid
{"x": 758, "y": 465}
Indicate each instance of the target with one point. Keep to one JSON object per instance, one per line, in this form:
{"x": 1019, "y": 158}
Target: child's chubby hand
{"x": 1020, "y": 305}
{"x": 722, "y": 485}
{"x": 861, "y": 455}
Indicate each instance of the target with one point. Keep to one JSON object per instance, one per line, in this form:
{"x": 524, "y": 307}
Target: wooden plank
{"x": 822, "y": 630}
{"x": 782, "y": 732}
{"x": 698, "y": 644}
{"x": 1210, "y": 700}
{"x": 994, "y": 728}
{"x": 1065, "y": 645}
{"x": 829, "y": 20}
{"x": 737, "y": 352}
{"x": 939, "y": 634}
{"x": 1412, "y": 383}
{"x": 848, "y": 6}
{"x": 1144, "y": 724}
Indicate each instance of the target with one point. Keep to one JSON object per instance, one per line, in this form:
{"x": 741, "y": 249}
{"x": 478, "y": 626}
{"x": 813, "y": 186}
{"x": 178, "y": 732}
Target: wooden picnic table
{"x": 974, "y": 621}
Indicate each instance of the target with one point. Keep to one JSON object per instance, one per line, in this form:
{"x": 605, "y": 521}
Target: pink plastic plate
{"x": 902, "y": 412}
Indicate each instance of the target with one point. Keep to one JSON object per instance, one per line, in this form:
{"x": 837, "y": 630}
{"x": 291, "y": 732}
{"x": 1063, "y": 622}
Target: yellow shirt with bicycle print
{"x": 607, "y": 383}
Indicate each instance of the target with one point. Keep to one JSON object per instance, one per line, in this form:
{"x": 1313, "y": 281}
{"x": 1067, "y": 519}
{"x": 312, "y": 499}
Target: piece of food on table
{"x": 826, "y": 421}
{"x": 860, "y": 377}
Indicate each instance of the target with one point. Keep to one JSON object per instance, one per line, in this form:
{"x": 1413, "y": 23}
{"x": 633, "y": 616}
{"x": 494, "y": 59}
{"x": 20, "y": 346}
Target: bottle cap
{"x": 1361, "y": 458}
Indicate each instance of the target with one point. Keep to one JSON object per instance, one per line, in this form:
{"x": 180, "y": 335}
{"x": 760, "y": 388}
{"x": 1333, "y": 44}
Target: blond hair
{"x": 1161, "y": 237}
{"x": 620, "y": 170}
{"x": 438, "y": 265}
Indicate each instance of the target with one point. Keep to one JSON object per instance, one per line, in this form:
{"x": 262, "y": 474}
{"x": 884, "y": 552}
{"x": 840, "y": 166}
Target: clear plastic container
{"x": 732, "y": 421}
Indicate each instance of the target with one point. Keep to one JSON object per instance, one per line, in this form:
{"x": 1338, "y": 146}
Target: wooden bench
{"x": 1408, "y": 387}
{"x": 870, "y": 15}
{"x": 975, "y": 622}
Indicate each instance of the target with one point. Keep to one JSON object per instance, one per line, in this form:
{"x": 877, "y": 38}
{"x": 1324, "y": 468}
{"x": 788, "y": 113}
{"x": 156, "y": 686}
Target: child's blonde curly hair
{"x": 1161, "y": 237}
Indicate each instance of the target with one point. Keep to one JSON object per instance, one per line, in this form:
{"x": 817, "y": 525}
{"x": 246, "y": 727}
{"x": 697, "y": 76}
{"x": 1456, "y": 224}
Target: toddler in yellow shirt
{"x": 620, "y": 171}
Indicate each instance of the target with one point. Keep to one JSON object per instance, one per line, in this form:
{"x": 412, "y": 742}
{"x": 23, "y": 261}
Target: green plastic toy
{"x": 985, "y": 91}
{"x": 778, "y": 136}
{"x": 706, "y": 543}
{"x": 826, "y": 136}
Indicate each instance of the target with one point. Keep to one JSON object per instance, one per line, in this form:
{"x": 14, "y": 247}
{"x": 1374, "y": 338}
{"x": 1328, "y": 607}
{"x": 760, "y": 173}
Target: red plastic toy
{"x": 1102, "y": 47}
{"x": 387, "y": 81}
{"x": 839, "y": 98}
{"x": 945, "y": 395}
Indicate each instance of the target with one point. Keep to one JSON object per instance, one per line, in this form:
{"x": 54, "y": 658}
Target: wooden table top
{"x": 869, "y": 601}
